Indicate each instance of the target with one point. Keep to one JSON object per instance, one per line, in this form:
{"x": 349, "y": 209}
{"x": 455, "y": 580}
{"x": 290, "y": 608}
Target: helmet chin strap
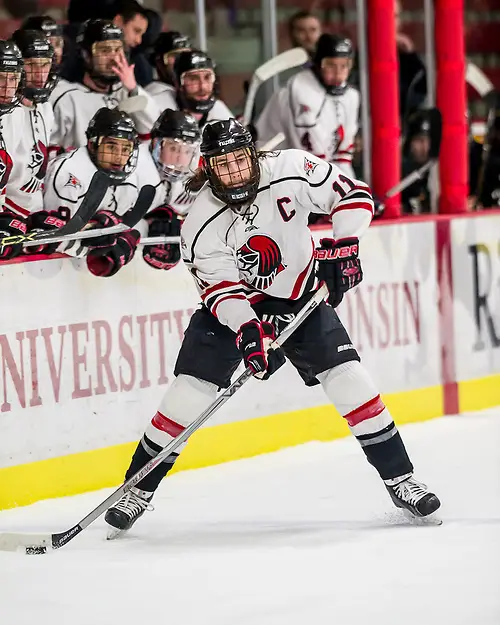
{"x": 199, "y": 106}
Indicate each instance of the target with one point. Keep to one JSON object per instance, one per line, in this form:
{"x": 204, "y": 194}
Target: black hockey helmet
{"x": 94, "y": 32}
{"x": 11, "y": 62}
{"x": 233, "y": 180}
{"x": 165, "y": 50}
{"x": 332, "y": 47}
{"x": 190, "y": 61}
{"x": 175, "y": 139}
{"x": 117, "y": 158}
{"x": 53, "y": 31}
{"x": 34, "y": 44}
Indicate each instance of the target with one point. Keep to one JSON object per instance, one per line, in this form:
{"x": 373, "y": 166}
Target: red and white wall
{"x": 84, "y": 362}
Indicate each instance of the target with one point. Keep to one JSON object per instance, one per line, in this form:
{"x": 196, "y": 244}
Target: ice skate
{"x": 126, "y": 511}
{"x": 412, "y": 496}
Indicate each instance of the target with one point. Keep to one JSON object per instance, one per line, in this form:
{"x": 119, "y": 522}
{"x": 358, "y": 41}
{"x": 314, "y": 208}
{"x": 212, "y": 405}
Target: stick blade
{"x": 30, "y": 544}
{"x": 285, "y": 60}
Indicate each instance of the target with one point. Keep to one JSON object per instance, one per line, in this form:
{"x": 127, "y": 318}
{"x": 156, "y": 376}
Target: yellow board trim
{"x": 100, "y": 468}
{"x": 479, "y": 394}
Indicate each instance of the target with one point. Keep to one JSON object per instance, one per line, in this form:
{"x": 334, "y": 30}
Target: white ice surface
{"x": 304, "y": 536}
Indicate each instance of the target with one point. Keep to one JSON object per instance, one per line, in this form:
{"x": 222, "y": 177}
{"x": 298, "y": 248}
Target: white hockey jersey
{"x": 67, "y": 182}
{"x": 74, "y": 109}
{"x": 267, "y": 249}
{"x": 30, "y": 130}
{"x": 313, "y": 120}
{"x": 9, "y": 140}
{"x": 162, "y": 94}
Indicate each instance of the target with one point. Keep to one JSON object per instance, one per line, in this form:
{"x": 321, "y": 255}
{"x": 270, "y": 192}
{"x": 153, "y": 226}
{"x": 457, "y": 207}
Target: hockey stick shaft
{"x": 280, "y": 63}
{"x": 38, "y": 544}
{"x": 90, "y": 203}
{"x": 129, "y": 220}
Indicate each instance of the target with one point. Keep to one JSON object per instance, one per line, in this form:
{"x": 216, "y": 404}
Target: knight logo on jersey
{"x": 37, "y": 168}
{"x": 309, "y": 166}
{"x": 260, "y": 259}
{"x": 73, "y": 182}
{"x": 5, "y": 167}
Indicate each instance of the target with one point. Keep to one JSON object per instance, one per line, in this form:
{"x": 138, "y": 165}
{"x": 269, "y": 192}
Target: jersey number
{"x": 338, "y": 188}
{"x": 281, "y": 207}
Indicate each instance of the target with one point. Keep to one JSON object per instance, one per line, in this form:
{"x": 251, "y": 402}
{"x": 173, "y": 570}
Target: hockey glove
{"x": 253, "y": 340}
{"x": 44, "y": 221}
{"x": 338, "y": 266}
{"x": 105, "y": 260}
{"x": 102, "y": 219}
{"x": 162, "y": 222}
{"x": 12, "y": 226}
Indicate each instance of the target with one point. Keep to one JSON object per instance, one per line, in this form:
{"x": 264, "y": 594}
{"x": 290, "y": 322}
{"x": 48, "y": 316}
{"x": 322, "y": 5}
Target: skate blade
{"x": 430, "y": 519}
{"x": 113, "y": 533}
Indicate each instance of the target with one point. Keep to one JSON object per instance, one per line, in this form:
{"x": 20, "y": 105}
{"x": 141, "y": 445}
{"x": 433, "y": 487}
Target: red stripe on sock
{"x": 163, "y": 423}
{"x": 369, "y": 410}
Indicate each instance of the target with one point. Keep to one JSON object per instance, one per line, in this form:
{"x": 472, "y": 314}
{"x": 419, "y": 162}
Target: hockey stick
{"x": 90, "y": 203}
{"x": 276, "y": 65}
{"x": 129, "y": 220}
{"x": 40, "y": 543}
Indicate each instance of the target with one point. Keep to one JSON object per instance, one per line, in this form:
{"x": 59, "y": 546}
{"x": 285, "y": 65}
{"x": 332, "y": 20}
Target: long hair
{"x": 195, "y": 182}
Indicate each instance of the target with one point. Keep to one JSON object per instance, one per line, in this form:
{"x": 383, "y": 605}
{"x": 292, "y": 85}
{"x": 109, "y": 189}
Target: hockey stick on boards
{"x": 32, "y": 544}
{"x": 129, "y": 220}
{"x": 90, "y": 203}
{"x": 159, "y": 240}
{"x": 276, "y": 65}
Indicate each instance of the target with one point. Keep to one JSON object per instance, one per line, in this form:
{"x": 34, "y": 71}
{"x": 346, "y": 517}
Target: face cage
{"x": 335, "y": 89}
{"x": 176, "y": 171}
{"x": 18, "y": 96}
{"x": 115, "y": 174}
{"x": 242, "y": 193}
{"x": 97, "y": 70}
{"x": 192, "y": 104}
{"x": 39, "y": 95}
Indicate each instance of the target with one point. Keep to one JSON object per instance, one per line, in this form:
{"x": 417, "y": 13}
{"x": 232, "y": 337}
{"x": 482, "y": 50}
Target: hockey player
{"x": 112, "y": 147}
{"x": 165, "y": 163}
{"x": 11, "y": 93}
{"x": 109, "y": 79}
{"x": 250, "y": 252}
{"x": 53, "y": 32}
{"x": 194, "y": 73}
{"x": 166, "y": 49}
{"x": 318, "y": 110}
{"x": 31, "y": 124}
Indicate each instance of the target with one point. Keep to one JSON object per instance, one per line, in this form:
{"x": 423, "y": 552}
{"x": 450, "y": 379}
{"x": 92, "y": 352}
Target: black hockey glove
{"x": 253, "y": 340}
{"x": 338, "y": 266}
{"x": 11, "y": 226}
{"x": 105, "y": 260}
{"x": 102, "y": 219}
{"x": 44, "y": 221}
{"x": 162, "y": 222}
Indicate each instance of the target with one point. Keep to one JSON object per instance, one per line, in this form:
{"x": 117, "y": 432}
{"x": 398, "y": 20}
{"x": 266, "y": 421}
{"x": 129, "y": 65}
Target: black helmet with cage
{"x": 53, "y": 31}
{"x": 189, "y": 62}
{"x": 113, "y": 143}
{"x": 230, "y": 162}
{"x": 100, "y": 40}
{"x": 39, "y": 65}
{"x": 166, "y": 48}
{"x": 333, "y": 47}
{"x": 12, "y": 80}
{"x": 175, "y": 139}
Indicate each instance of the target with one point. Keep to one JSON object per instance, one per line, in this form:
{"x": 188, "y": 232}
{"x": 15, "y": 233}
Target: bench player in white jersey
{"x": 247, "y": 245}
{"x": 32, "y": 124}
{"x": 318, "y": 110}
{"x": 12, "y": 81}
{"x": 164, "y": 163}
{"x": 166, "y": 49}
{"x": 108, "y": 80}
{"x": 194, "y": 75}
{"x": 112, "y": 147}
{"x": 53, "y": 32}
